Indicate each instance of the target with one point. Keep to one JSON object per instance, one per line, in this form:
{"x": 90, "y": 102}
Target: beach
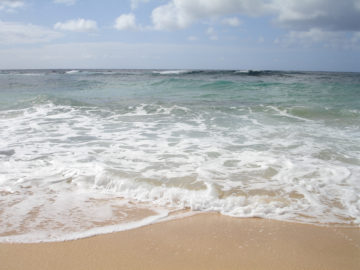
{"x": 179, "y": 169}
{"x": 180, "y": 135}
{"x": 203, "y": 241}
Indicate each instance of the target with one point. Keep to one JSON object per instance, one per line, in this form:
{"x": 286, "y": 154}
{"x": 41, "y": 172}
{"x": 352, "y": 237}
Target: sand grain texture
{"x": 205, "y": 241}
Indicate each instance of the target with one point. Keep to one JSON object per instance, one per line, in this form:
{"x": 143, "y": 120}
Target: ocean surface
{"x": 84, "y": 152}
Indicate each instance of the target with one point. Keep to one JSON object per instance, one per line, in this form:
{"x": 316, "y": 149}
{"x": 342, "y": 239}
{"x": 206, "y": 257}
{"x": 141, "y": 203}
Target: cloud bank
{"x": 179, "y": 14}
{"x": 14, "y": 32}
{"x": 329, "y": 15}
{"x": 332, "y": 15}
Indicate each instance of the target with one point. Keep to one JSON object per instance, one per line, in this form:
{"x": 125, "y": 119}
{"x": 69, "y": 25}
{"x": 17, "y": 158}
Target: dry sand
{"x": 205, "y": 241}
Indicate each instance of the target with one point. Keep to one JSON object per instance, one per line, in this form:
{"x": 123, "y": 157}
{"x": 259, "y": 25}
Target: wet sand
{"x": 204, "y": 241}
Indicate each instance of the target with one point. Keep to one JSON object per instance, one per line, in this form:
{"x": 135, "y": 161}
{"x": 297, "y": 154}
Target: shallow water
{"x": 89, "y": 151}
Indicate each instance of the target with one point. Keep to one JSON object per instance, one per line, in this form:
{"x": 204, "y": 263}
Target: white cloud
{"x": 126, "y": 22}
{"x": 135, "y": 3}
{"x": 296, "y": 10}
{"x": 233, "y": 21}
{"x": 78, "y": 25}
{"x": 331, "y": 15}
{"x": 294, "y": 14}
{"x": 11, "y": 6}
{"x": 18, "y": 33}
{"x": 178, "y": 14}
{"x": 169, "y": 17}
{"x": 65, "y": 2}
{"x": 321, "y": 23}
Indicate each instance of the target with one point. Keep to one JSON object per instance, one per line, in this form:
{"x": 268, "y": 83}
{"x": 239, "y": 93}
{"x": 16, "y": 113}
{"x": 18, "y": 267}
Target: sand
{"x": 205, "y": 241}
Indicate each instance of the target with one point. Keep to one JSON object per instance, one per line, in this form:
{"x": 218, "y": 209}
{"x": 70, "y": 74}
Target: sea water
{"x": 84, "y": 152}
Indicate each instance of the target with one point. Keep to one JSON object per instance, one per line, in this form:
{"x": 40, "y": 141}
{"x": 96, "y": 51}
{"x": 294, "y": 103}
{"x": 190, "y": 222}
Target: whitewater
{"x": 85, "y": 152}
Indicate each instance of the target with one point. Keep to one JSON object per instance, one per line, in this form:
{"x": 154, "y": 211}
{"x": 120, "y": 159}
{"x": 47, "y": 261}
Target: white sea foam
{"x": 247, "y": 71}
{"x": 285, "y": 113}
{"x": 72, "y": 71}
{"x": 171, "y": 72}
{"x": 65, "y": 170}
{"x": 55, "y": 234}
{"x": 242, "y": 71}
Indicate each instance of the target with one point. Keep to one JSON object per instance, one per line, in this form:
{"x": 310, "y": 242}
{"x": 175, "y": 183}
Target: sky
{"x": 322, "y": 35}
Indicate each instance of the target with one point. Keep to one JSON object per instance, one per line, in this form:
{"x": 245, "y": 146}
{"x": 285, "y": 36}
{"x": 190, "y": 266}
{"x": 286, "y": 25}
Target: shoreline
{"x": 201, "y": 241}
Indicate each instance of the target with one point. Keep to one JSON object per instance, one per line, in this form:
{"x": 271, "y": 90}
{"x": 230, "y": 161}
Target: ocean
{"x": 86, "y": 152}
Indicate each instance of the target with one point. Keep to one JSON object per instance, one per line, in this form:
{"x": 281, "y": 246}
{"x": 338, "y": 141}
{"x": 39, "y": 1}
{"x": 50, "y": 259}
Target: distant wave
{"x": 244, "y": 72}
{"x": 22, "y": 73}
{"x": 252, "y": 72}
{"x": 175, "y": 72}
{"x": 72, "y": 71}
{"x": 171, "y": 72}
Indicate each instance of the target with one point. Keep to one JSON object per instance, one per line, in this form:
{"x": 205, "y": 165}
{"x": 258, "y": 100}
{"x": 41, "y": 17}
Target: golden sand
{"x": 204, "y": 241}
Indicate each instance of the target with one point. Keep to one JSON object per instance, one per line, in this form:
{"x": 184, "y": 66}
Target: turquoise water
{"x": 85, "y": 151}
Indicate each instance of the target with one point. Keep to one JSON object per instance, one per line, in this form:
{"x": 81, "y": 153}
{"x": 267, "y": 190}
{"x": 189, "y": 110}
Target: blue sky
{"x": 182, "y": 34}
